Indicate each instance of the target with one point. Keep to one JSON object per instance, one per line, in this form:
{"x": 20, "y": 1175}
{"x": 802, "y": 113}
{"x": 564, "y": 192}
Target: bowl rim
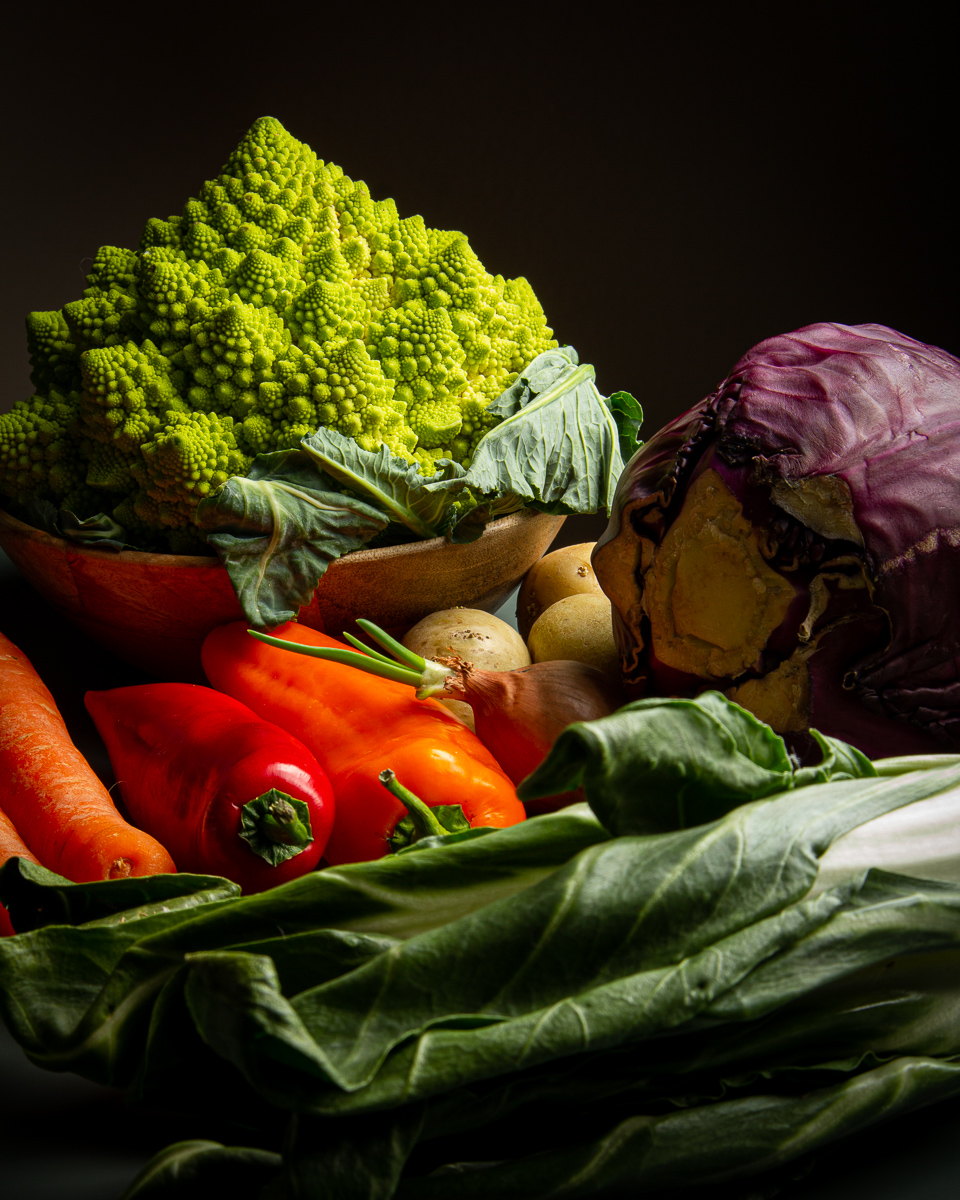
{"x": 148, "y": 558}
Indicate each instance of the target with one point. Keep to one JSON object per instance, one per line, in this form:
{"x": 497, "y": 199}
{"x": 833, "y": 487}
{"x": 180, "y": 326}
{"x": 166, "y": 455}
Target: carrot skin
{"x": 11, "y": 846}
{"x": 57, "y": 803}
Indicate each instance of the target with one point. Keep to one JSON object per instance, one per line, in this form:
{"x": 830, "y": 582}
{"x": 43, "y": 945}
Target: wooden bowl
{"x": 154, "y": 610}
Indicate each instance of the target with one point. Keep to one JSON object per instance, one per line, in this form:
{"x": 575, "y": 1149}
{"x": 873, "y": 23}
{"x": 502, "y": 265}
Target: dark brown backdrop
{"x": 673, "y": 195}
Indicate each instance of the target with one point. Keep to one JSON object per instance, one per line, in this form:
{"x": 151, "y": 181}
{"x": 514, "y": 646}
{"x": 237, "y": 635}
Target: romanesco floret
{"x": 353, "y": 395}
{"x": 53, "y": 352}
{"x": 174, "y": 293}
{"x": 101, "y": 318}
{"x": 228, "y": 357}
{"x": 127, "y": 392}
{"x": 188, "y": 458}
{"x": 41, "y": 449}
{"x": 111, "y": 468}
{"x": 282, "y": 299}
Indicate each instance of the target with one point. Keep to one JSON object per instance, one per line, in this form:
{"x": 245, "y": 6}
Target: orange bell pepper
{"x": 358, "y": 725}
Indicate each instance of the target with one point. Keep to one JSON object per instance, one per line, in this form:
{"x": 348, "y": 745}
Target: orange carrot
{"x": 59, "y": 807}
{"x": 11, "y": 846}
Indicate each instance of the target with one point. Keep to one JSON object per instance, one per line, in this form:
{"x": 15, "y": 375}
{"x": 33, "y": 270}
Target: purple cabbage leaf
{"x": 794, "y": 542}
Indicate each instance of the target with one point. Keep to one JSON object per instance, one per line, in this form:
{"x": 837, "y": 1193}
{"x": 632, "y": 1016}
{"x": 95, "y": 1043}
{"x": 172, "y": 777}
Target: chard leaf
{"x": 699, "y": 1146}
{"x": 557, "y": 447}
{"x": 663, "y": 764}
{"x": 175, "y": 1050}
{"x": 424, "y": 503}
{"x": 851, "y": 985}
{"x": 195, "y": 1169}
{"x": 869, "y": 998}
{"x": 277, "y": 530}
{"x": 362, "y": 1160}
{"x": 262, "y": 1035}
{"x": 582, "y": 959}
{"x": 83, "y": 998}
{"x": 529, "y": 1024}
{"x": 840, "y": 761}
{"x": 35, "y": 896}
{"x": 886, "y": 918}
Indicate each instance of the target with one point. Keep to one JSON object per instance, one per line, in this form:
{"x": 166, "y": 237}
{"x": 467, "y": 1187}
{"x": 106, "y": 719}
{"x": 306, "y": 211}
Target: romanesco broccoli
{"x": 282, "y": 299}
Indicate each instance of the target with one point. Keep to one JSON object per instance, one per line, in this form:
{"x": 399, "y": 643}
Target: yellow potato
{"x": 577, "y": 627}
{"x": 477, "y": 636}
{"x": 563, "y": 572}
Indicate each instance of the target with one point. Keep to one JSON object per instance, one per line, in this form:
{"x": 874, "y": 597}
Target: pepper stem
{"x": 276, "y": 826}
{"x": 421, "y": 820}
{"x": 426, "y": 823}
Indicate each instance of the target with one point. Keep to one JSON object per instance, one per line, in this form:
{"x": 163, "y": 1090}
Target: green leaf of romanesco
{"x": 278, "y": 528}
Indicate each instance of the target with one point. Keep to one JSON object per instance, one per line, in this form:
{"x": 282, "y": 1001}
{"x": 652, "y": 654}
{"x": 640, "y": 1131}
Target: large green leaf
{"x": 663, "y": 764}
{"x": 558, "y": 445}
{"x": 873, "y": 995}
{"x": 841, "y": 1010}
{"x": 82, "y": 998}
{"x": 395, "y": 487}
{"x": 467, "y": 1029}
{"x": 634, "y": 935}
{"x": 35, "y": 896}
{"x": 357, "y": 1160}
{"x": 278, "y": 528}
{"x": 399, "y": 1007}
{"x": 196, "y": 1170}
{"x": 703, "y": 1145}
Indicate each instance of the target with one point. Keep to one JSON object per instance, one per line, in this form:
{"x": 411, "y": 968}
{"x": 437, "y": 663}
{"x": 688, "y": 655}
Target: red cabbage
{"x": 821, "y": 477}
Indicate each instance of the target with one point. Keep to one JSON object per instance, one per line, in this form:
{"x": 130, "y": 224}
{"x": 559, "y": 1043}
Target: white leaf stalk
{"x": 921, "y": 839}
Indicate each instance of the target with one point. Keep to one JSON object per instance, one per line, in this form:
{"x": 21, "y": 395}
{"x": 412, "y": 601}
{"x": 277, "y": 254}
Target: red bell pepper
{"x": 225, "y": 792}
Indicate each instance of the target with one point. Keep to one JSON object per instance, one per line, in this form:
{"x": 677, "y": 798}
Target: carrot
{"x": 59, "y": 807}
{"x": 11, "y": 846}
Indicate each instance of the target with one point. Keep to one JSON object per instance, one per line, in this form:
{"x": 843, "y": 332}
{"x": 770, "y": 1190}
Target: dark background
{"x": 675, "y": 187}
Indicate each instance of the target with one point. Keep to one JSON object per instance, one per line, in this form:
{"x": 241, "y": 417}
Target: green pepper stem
{"x": 427, "y": 824}
{"x": 276, "y": 826}
{"x": 281, "y": 824}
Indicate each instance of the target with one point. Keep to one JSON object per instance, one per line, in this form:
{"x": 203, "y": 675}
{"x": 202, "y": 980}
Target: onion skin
{"x": 520, "y": 714}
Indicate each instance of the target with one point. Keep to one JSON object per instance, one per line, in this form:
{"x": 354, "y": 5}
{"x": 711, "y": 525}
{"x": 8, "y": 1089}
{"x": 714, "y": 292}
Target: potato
{"x": 578, "y": 627}
{"x": 476, "y": 636}
{"x": 563, "y": 572}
